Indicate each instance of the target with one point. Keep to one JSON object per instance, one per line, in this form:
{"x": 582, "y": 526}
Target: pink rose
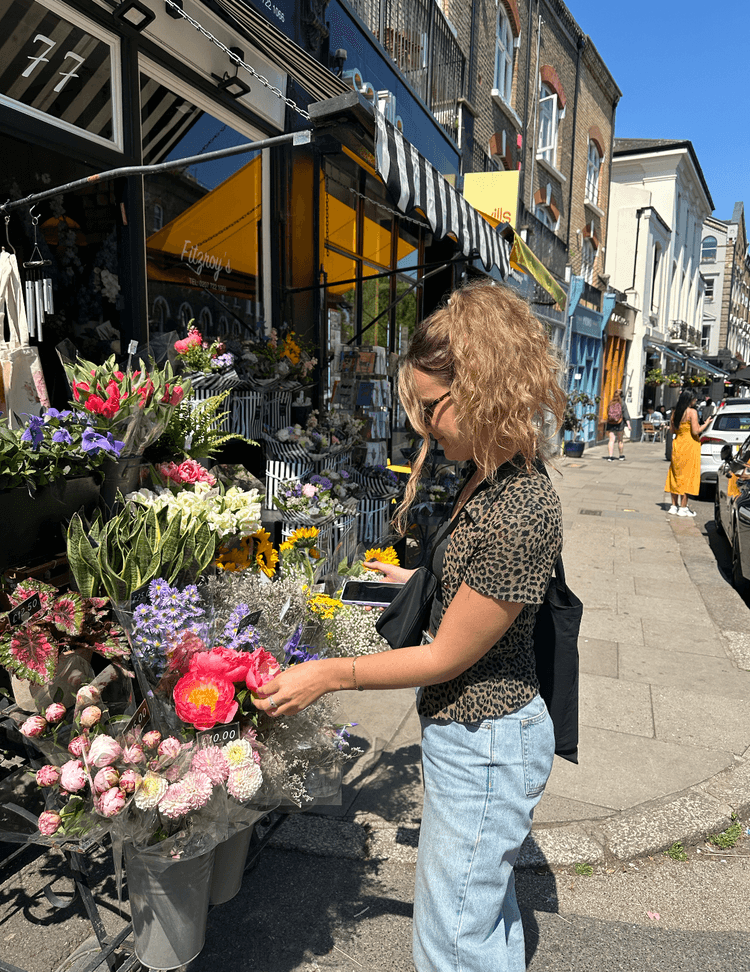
{"x": 170, "y": 747}
{"x": 49, "y": 822}
{"x": 133, "y": 754}
{"x": 225, "y": 662}
{"x": 90, "y": 716}
{"x": 263, "y": 667}
{"x": 106, "y": 778}
{"x": 104, "y": 751}
{"x": 73, "y": 775}
{"x": 55, "y": 713}
{"x": 111, "y": 802}
{"x": 151, "y": 739}
{"x": 79, "y": 745}
{"x": 48, "y": 776}
{"x": 129, "y": 781}
{"x": 34, "y": 726}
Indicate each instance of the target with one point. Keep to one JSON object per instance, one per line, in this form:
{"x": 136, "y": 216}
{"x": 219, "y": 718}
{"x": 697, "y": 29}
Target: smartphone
{"x": 370, "y": 593}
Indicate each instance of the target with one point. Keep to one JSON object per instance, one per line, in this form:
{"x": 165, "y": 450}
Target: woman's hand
{"x": 391, "y": 573}
{"x": 296, "y": 688}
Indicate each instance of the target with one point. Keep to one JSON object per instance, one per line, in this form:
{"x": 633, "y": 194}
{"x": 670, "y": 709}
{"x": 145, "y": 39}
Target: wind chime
{"x": 38, "y": 286}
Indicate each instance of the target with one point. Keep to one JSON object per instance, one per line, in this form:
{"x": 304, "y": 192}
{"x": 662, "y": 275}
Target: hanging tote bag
{"x": 556, "y": 628}
{"x": 408, "y": 614}
{"x": 23, "y": 379}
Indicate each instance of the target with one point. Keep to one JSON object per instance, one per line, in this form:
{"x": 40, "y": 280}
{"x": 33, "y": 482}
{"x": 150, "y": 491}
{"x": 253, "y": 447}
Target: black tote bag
{"x": 407, "y": 616}
{"x": 558, "y": 622}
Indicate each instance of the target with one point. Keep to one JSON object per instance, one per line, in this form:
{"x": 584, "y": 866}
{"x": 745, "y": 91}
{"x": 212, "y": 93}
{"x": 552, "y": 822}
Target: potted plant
{"x": 577, "y": 411}
{"x": 654, "y": 377}
{"x": 674, "y": 379}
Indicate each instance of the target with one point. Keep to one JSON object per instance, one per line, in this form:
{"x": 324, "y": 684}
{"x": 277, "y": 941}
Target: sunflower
{"x": 266, "y": 555}
{"x": 234, "y": 557}
{"x": 386, "y": 556}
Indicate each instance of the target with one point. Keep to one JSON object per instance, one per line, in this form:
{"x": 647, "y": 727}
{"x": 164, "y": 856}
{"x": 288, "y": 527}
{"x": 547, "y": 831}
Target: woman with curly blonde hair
{"x": 481, "y": 379}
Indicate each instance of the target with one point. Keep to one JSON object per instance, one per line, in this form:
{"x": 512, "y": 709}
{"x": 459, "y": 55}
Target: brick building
{"x": 725, "y": 265}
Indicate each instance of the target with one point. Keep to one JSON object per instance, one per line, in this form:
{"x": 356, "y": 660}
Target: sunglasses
{"x": 428, "y": 410}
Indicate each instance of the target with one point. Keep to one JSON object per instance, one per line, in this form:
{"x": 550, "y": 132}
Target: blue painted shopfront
{"x": 586, "y": 350}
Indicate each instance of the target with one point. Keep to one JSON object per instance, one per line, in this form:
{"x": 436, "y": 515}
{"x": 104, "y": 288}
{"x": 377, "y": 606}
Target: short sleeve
{"x": 518, "y": 542}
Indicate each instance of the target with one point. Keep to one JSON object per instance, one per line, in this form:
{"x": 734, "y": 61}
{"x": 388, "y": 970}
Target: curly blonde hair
{"x": 486, "y": 345}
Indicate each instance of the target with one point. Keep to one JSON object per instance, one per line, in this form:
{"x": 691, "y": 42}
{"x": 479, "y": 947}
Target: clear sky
{"x": 682, "y": 68}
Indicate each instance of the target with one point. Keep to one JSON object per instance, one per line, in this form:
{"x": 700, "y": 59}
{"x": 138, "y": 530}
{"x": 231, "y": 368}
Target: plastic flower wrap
{"x": 134, "y": 406}
{"x": 228, "y": 513}
{"x": 200, "y": 355}
{"x": 255, "y": 552}
{"x": 283, "y": 362}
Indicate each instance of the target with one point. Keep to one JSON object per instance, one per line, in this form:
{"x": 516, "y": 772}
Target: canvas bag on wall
{"x": 23, "y": 387}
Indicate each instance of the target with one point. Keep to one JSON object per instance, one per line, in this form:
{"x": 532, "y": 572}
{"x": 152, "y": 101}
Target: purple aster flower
{"x": 34, "y": 431}
{"x": 62, "y": 435}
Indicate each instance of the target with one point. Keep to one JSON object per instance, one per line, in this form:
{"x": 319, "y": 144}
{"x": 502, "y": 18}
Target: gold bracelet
{"x": 359, "y": 688}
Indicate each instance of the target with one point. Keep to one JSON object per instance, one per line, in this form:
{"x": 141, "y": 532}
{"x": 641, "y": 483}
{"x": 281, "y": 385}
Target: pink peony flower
{"x": 73, "y": 776}
{"x": 48, "y": 776}
{"x": 79, "y": 745}
{"x": 211, "y": 761}
{"x": 197, "y": 788}
{"x": 90, "y": 716}
{"x": 104, "y": 751}
{"x": 133, "y": 754}
{"x": 49, "y": 822}
{"x": 175, "y": 802}
{"x": 244, "y": 781}
{"x": 309, "y": 490}
{"x": 34, "y": 726}
{"x": 129, "y": 780}
{"x": 224, "y": 662}
{"x": 88, "y": 695}
{"x": 204, "y": 700}
{"x": 111, "y": 802}
{"x": 106, "y": 778}
{"x": 55, "y": 713}
{"x": 193, "y": 340}
{"x": 263, "y": 667}
{"x": 170, "y": 747}
{"x": 151, "y": 739}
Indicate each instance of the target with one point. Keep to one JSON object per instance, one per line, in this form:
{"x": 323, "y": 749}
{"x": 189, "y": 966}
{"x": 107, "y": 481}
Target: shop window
{"x": 204, "y": 250}
{"x": 503, "y": 55}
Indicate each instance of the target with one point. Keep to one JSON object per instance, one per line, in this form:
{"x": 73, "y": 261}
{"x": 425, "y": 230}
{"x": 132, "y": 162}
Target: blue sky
{"x": 682, "y": 69}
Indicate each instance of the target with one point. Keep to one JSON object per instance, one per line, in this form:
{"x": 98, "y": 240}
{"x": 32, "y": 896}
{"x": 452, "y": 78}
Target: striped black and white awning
{"x": 414, "y": 183}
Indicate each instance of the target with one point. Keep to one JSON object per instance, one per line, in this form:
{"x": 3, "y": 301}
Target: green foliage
{"x": 578, "y": 409}
{"x": 655, "y": 377}
{"x": 674, "y": 379}
{"x": 584, "y": 870}
{"x": 195, "y": 431}
{"x": 137, "y": 545}
{"x": 728, "y": 837}
{"x": 676, "y": 852}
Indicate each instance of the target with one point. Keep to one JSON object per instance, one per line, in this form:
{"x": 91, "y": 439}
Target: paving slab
{"x": 694, "y": 719}
{"x": 598, "y": 657}
{"x": 688, "y": 671}
{"x": 608, "y": 703}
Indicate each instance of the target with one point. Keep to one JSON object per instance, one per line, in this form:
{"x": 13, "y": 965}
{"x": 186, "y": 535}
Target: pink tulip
{"x": 105, "y": 779}
{"x": 104, "y": 751}
{"x": 90, "y": 716}
{"x": 49, "y": 822}
{"x": 55, "y": 713}
{"x": 48, "y": 776}
{"x": 73, "y": 775}
{"x": 111, "y": 802}
{"x": 34, "y": 726}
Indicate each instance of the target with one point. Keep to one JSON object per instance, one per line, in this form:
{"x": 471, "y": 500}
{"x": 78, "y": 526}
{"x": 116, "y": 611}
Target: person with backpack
{"x": 617, "y": 419}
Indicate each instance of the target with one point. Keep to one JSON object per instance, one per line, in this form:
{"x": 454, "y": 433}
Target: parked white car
{"x": 731, "y": 425}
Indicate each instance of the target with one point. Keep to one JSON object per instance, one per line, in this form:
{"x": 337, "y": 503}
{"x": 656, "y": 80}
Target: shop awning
{"x": 663, "y": 349}
{"x": 316, "y": 79}
{"x": 415, "y": 185}
{"x": 708, "y": 368}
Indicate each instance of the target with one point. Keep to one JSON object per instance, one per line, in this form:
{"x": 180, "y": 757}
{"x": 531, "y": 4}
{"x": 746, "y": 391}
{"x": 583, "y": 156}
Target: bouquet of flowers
{"x": 380, "y": 481}
{"x": 199, "y": 355}
{"x": 227, "y": 513}
{"x": 248, "y": 553}
{"x": 183, "y": 474}
{"x": 273, "y": 362}
{"x": 52, "y": 446}
{"x": 134, "y": 406}
{"x": 310, "y": 502}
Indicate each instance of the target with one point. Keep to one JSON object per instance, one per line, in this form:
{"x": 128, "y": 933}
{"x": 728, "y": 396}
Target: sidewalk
{"x": 665, "y": 685}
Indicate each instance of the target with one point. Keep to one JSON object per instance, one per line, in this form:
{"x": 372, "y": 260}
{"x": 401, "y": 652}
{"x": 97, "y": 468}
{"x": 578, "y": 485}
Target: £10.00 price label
{"x": 140, "y": 718}
{"x": 219, "y": 735}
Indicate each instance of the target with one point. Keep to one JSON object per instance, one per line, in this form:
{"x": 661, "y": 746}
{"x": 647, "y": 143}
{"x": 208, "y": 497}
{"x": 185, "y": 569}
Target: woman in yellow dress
{"x": 684, "y": 474}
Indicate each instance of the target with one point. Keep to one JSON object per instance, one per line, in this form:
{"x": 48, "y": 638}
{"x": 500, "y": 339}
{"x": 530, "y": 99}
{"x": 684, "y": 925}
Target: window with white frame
{"x": 592, "y": 173}
{"x": 588, "y": 258}
{"x": 656, "y": 279}
{"x": 548, "y": 124}
{"x": 503, "y": 55}
{"x": 708, "y": 293}
{"x": 708, "y": 249}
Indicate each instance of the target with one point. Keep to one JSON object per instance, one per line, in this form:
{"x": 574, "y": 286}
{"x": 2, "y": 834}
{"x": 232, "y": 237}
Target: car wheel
{"x": 739, "y": 583}
{"x": 717, "y": 513}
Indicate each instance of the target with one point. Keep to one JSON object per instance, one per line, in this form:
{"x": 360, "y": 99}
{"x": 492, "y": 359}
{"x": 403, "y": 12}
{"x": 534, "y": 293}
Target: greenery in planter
{"x": 195, "y": 431}
{"x": 578, "y": 410}
{"x": 674, "y": 379}
{"x": 65, "y": 622}
{"x": 53, "y": 446}
{"x": 655, "y": 377}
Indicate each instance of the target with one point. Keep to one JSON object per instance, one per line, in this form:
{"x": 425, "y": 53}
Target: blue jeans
{"x": 482, "y": 782}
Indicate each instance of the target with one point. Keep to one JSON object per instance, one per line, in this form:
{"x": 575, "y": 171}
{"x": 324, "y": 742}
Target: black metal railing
{"x": 417, "y": 36}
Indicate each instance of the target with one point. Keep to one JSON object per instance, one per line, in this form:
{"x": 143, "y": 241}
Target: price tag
{"x": 139, "y": 597}
{"x": 140, "y": 719}
{"x": 188, "y": 441}
{"x": 132, "y": 347}
{"x": 25, "y": 610}
{"x": 218, "y": 736}
{"x": 249, "y": 620}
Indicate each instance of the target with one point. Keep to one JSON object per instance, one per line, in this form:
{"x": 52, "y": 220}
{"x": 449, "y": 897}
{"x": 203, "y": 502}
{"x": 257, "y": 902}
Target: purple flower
{"x": 94, "y": 442}
{"x": 34, "y": 431}
{"x": 295, "y": 656}
{"x": 53, "y": 413}
{"x": 62, "y": 435}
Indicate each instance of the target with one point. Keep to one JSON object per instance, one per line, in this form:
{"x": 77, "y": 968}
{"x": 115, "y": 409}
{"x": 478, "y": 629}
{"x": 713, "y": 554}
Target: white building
{"x": 659, "y": 202}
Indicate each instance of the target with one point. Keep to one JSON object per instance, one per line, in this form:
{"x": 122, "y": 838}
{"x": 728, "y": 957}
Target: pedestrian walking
{"x": 617, "y": 419}
{"x": 478, "y": 378}
{"x": 708, "y": 410}
{"x": 684, "y": 474}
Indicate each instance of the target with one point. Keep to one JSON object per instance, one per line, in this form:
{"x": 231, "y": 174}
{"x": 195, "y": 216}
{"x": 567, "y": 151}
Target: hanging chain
{"x": 237, "y": 60}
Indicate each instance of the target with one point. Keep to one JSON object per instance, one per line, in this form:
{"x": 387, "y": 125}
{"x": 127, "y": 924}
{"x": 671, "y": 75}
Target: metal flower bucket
{"x": 229, "y": 865}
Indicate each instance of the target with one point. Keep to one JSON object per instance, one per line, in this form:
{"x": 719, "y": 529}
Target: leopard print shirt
{"x": 505, "y": 545}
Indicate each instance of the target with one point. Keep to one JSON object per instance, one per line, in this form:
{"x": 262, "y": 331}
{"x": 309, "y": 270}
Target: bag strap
{"x": 558, "y": 570}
